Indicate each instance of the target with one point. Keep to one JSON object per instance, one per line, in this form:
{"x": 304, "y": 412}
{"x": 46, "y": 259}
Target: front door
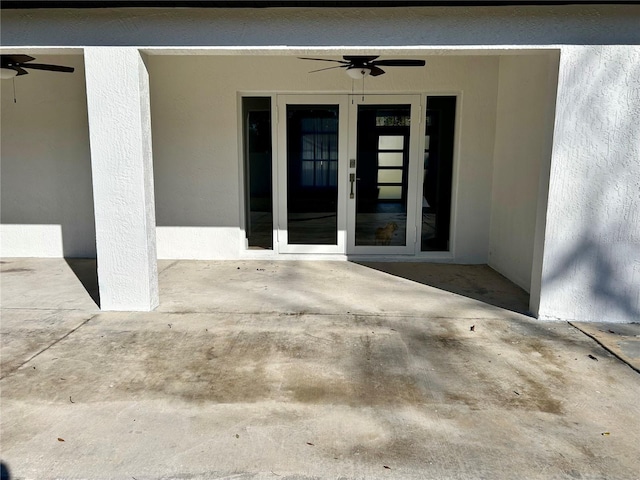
{"x": 383, "y": 163}
{"x": 345, "y": 170}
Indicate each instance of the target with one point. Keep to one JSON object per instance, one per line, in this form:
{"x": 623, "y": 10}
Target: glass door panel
{"x": 385, "y": 150}
{"x": 258, "y": 172}
{"x": 439, "y": 133}
{"x": 312, "y": 150}
{"x": 312, "y": 174}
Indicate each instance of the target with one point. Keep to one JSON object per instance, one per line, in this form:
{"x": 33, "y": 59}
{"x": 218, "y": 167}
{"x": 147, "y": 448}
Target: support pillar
{"x": 122, "y": 172}
{"x": 589, "y": 266}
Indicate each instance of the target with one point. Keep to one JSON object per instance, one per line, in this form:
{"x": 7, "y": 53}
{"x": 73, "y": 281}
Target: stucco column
{"x": 122, "y": 171}
{"x": 589, "y": 266}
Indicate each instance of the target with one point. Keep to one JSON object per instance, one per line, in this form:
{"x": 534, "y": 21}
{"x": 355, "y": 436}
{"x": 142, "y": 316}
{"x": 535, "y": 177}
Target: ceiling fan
{"x": 360, "y": 66}
{"x": 16, "y": 65}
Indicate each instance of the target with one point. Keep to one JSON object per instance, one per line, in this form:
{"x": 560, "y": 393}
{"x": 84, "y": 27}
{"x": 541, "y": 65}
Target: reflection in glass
{"x": 438, "y": 171}
{"x": 392, "y": 118}
{"x": 257, "y": 166}
{"x": 312, "y": 174}
{"x": 381, "y": 189}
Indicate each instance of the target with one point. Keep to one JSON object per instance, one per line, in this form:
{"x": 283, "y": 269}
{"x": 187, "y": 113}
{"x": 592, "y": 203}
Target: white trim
{"x": 509, "y": 49}
{"x": 242, "y": 241}
{"x": 435, "y": 257}
{"x": 275, "y": 187}
{"x": 455, "y": 181}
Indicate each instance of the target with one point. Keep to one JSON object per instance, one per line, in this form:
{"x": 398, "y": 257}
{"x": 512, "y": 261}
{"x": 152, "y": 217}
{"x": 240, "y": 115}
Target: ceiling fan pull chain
{"x": 363, "y": 88}
{"x": 14, "y": 90}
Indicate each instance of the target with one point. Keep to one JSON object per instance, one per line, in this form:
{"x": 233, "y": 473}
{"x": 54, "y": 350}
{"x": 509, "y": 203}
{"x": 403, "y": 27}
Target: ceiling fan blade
{"x": 400, "y": 63}
{"x": 13, "y": 59}
{"x": 323, "y": 60}
{"x": 21, "y": 71}
{"x": 359, "y": 59}
{"x": 375, "y": 71}
{"x": 44, "y": 66}
{"x": 328, "y": 68}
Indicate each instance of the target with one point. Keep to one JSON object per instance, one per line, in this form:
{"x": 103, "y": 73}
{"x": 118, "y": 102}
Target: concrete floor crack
{"x": 14, "y": 370}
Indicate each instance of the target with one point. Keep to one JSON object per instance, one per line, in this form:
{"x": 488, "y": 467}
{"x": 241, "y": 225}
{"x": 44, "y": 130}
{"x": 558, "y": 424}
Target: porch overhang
{"x": 293, "y": 3}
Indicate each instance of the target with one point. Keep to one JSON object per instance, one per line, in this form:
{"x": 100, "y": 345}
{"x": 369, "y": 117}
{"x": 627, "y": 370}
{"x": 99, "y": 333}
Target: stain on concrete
{"x": 417, "y": 392}
{"x": 369, "y": 364}
{"x": 219, "y": 369}
{"x": 490, "y": 380}
{"x": 418, "y": 395}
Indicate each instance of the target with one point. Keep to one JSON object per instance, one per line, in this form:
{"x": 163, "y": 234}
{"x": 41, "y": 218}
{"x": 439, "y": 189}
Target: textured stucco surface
{"x": 594, "y": 24}
{"x": 591, "y": 268}
{"x": 118, "y": 105}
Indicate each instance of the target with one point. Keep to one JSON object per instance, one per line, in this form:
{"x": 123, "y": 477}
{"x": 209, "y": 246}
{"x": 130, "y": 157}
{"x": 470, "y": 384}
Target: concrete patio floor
{"x": 273, "y": 370}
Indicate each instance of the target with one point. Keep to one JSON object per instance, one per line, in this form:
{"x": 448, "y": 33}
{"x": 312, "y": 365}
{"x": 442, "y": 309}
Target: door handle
{"x": 352, "y": 179}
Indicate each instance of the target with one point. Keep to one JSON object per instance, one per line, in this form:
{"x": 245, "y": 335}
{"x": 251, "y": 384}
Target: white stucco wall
{"x": 524, "y": 128}
{"x": 45, "y": 167}
{"x": 591, "y": 268}
{"x": 338, "y": 27}
{"x": 121, "y": 159}
{"x": 196, "y": 149}
{"x": 196, "y": 159}
{"x": 585, "y": 253}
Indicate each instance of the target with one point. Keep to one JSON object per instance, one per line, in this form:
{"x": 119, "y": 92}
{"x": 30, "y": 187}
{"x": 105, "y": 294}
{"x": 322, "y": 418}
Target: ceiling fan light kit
{"x": 7, "y": 73}
{"x": 358, "y": 72}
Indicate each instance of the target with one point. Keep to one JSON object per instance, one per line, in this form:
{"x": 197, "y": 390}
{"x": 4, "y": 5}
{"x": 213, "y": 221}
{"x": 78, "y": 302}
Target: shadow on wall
{"x": 479, "y": 282}
{"x": 593, "y": 223}
{"x": 46, "y": 189}
{"x": 606, "y": 285}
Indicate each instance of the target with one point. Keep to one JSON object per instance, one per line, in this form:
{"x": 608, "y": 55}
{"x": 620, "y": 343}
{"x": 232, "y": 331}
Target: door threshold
{"x": 423, "y": 257}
